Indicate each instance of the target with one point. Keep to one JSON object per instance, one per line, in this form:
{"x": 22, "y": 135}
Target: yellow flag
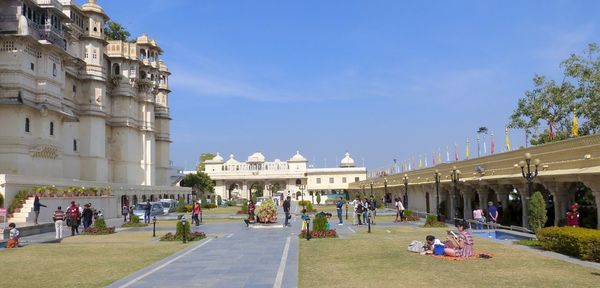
{"x": 467, "y": 150}
{"x": 420, "y": 163}
{"x": 507, "y": 140}
{"x": 575, "y": 129}
{"x": 439, "y": 156}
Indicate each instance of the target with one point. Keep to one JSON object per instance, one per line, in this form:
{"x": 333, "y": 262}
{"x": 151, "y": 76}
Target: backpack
{"x": 372, "y": 205}
{"x": 73, "y": 212}
{"x": 359, "y": 208}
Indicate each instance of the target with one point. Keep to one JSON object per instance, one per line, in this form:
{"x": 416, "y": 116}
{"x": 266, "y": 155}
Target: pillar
{"x": 522, "y": 189}
{"x": 482, "y": 192}
{"x": 468, "y": 194}
{"x": 562, "y": 193}
{"x": 451, "y": 211}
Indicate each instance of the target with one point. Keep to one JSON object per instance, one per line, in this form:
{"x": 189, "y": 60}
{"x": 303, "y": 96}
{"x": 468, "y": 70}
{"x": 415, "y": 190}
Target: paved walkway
{"x": 232, "y": 256}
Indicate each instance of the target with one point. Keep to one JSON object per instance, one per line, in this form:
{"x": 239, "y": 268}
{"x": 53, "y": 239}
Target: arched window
{"x": 117, "y": 69}
{"x": 27, "y": 125}
{"x": 51, "y": 128}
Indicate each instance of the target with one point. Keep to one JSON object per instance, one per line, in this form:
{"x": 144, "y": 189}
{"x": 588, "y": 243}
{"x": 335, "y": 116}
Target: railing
{"x": 51, "y": 3}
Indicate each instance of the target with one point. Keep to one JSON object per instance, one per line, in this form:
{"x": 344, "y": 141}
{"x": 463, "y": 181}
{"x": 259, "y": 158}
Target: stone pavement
{"x": 232, "y": 256}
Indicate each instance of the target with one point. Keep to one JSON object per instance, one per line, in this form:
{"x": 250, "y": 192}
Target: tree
{"x": 199, "y": 181}
{"x": 203, "y": 158}
{"x": 115, "y": 31}
{"x": 537, "y": 212}
{"x": 319, "y": 198}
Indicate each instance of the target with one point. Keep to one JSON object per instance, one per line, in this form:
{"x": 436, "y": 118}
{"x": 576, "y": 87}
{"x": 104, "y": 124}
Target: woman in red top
{"x": 195, "y": 213}
{"x": 73, "y": 216}
{"x": 573, "y": 216}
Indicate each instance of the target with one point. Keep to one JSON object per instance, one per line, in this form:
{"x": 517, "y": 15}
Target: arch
{"x": 144, "y": 199}
{"x": 135, "y": 199}
{"x": 124, "y": 201}
{"x": 116, "y": 69}
{"x": 152, "y": 198}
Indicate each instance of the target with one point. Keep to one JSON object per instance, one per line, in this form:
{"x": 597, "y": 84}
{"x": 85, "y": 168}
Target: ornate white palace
{"x": 78, "y": 110}
{"x": 235, "y": 179}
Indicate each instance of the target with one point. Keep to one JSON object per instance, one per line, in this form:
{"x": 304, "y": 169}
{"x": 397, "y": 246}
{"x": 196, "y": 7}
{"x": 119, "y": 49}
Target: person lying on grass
{"x": 430, "y": 242}
{"x": 464, "y": 243}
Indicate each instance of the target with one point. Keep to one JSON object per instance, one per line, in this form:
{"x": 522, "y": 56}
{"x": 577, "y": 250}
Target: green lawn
{"x": 380, "y": 259}
{"x": 83, "y": 261}
{"x": 221, "y": 210}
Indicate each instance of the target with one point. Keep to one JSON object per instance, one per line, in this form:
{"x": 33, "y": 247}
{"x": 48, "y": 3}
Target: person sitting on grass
{"x": 13, "y": 236}
{"x": 464, "y": 243}
{"x": 430, "y": 242}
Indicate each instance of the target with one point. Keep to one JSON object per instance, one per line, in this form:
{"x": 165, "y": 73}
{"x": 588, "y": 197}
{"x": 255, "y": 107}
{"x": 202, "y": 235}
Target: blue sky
{"x": 380, "y": 79}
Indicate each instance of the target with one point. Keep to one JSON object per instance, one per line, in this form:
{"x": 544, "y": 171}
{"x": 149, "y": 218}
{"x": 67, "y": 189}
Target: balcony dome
{"x": 257, "y": 157}
{"x": 347, "y": 161}
{"x": 297, "y": 158}
{"x": 231, "y": 160}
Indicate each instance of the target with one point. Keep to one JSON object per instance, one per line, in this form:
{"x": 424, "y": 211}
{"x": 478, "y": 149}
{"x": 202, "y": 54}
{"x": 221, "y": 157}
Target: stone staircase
{"x": 26, "y": 212}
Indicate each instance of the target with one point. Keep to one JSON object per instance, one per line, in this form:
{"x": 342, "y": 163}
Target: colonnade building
{"x": 293, "y": 177}
{"x": 76, "y": 108}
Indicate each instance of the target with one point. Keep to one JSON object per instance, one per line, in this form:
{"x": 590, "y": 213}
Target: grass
{"x": 221, "y": 210}
{"x": 380, "y": 259}
{"x": 83, "y": 261}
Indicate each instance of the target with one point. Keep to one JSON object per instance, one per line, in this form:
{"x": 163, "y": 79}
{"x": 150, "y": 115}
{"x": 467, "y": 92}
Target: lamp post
{"x": 371, "y": 189}
{"x": 437, "y": 177}
{"x": 455, "y": 178}
{"x": 405, "y": 179}
{"x": 529, "y": 175}
{"x": 154, "y": 226}
{"x": 183, "y": 223}
{"x": 363, "y": 190}
{"x": 385, "y": 193}
{"x": 302, "y": 186}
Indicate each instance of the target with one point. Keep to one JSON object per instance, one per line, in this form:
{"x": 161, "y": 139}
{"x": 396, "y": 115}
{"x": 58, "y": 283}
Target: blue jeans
{"x": 479, "y": 225}
{"x": 147, "y": 217}
{"x": 339, "y": 212}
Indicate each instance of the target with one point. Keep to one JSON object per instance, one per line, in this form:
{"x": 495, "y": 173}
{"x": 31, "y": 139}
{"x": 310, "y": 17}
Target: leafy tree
{"x": 115, "y": 31}
{"x": 319, "y": 198}
{"x": 537, "y": 212}
{"x": 199, "y": 181}
{"x": 203, "y": 158}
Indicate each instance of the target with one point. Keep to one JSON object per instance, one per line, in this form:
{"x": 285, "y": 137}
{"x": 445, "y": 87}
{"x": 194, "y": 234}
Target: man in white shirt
{"x": 400, "y": 208}
{"x": 354, "y": 204}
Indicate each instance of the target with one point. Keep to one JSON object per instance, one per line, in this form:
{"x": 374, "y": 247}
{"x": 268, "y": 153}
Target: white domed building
{"x": 234, "y": 179}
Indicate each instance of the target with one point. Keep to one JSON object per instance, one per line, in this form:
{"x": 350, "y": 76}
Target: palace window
{"x": 330, "y": 180}
{"x": 343, "y": 179}
{"x": 74, "y": 88}
{"x": 51, "y": 128}
{"x": 318, "y": 180}
{"x": 356, "y": 179}
{"x": 32, "y": 66}
{"x": 27, "y": 125}
{"x": 117, "y": 69}
{"x": 75, "y": 145}
{"x": 54, "y": 69}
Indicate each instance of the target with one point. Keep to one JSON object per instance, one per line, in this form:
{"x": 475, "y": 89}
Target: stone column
{"x": 522, "y": 188}
{"x": 451, "y": 205}
{"x": 245, "y": 190}
{"x": 502, "y": 192}
{"x": 482, "y": 192}
{"x": 562, "y": 192}
{"x": 468, "y": 194}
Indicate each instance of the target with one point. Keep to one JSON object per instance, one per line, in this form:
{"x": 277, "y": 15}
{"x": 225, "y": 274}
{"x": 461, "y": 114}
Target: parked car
{"x": 155, "y": 210}
{"x": 169, "y": 205}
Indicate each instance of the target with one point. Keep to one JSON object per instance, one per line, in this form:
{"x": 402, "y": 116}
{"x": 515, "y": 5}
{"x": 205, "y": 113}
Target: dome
{"x": 297, "y": 158}
{"x": 92, "y": 6}
{"x": 347, "y": 161}
{"x": 256, "y": 157}
{"x": 216, "y": 159}
{"x": 231, "y": 160}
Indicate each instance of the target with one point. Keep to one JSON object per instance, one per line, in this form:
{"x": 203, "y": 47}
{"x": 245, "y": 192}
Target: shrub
{"x": 180, "y": 206}
{"x": 16, "y": 203}
{"x": 320, "y": 223}
{"x": 181, "y": 229}
{"x": 230, "y": 203}
{"x": 194, "y": 236}
{"x": 408, "y": 212}
{"x": 99, "y": 228}
{"x": 528, "y": 242}
{"x": 537, "y": 212}
{"x": 431, "y": 221}
{"x": 578, "y": 242}
{"x": 319, "y": 198}
{"x": 319, "y": 234}
{"x": 134, "y": 221}
{"x": 307, "y": 205}
{"x": 267, "y": 212}
{"x": 244, "y": 209}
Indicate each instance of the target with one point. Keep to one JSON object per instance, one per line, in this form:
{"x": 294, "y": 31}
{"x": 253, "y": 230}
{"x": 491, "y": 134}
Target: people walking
{"x": 372, "y": 209}
{"x": 359, "y": 211}
{"x": 73, "y": 216}
{"x": 125, "y": 212}
{"x": 251, "y": 208}
{"x": 87, "y": 216}
{"x": 365, "y": 204}
{"x": 286, "y": 209}
{"x": 58, "y": 217}
{"x": 478, "y": 216}
{"x": 196, "y": 213}
{"x": 339, "y": 205}
{"x": 36, "y": 208}
{"x": 400, "y": 209}
{"x": 147, "y": 210}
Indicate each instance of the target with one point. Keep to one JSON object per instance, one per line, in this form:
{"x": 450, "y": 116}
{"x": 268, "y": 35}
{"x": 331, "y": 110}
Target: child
{"x": 14, "y": 235}
{"x": 327, "y": 226}
{"x": 305, "y": 220}
{"x": 431, "y": 241}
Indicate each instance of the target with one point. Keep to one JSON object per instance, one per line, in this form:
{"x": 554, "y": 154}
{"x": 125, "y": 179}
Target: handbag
{"x": 438, "y": 249}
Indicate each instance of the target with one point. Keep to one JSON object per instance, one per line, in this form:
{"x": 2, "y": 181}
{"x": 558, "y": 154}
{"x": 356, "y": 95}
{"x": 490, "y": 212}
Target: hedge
{"x": 573, "y": 241}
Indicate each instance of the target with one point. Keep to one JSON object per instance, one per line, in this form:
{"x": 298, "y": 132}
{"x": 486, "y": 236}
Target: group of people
{"x": 74, "y": 217}
{"x": 364, "y": 209}
{"x": 490, "y": 215}
{"x": 457, "y": 245}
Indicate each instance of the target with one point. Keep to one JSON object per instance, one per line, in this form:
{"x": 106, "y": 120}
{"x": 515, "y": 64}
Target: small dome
{"x": 231, "y": 160}
{"x": 297, "y": 158}
{"x": 218, "y": 157}
{"x": 92, "y": 6}
{"x": 256, "y": 157}
{"x": 347, "y": 161}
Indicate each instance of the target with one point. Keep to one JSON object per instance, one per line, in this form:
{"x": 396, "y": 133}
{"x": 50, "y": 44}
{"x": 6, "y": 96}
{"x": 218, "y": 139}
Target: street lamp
{"x": 371, "y": 189}
{"x": 455, "y": 178}
{"x": 530, "y": 175}
{"x": 183, "y": 223}
{"x": 363, "y": 190}
{"x": 405, "y": 191}
{"x": 154, "y": 226}
{"x": 437, "y": 177}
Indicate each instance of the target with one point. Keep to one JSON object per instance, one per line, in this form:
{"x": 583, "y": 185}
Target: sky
{"x": 381, "y": 80}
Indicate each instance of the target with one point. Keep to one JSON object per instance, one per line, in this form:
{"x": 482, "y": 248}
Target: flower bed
{"x": 319, "y": 234}
{"x": 99, "y": 228}
{"x": 194, "y": 236}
